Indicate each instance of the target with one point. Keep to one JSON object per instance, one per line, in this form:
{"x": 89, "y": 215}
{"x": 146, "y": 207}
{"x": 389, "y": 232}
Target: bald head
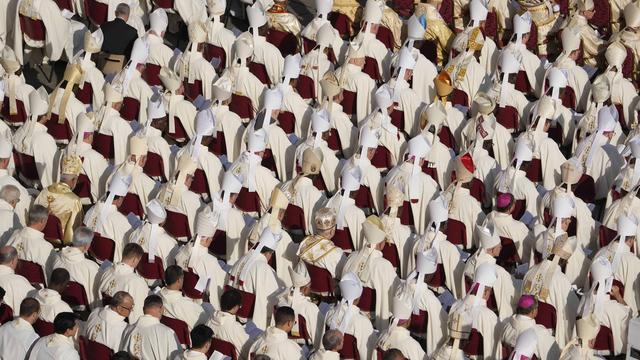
{"x": 9, "y": 256}
{"x": 332, "y": 340}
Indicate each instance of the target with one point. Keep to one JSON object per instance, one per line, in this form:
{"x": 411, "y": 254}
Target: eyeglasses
{"x": 126, "y": 308}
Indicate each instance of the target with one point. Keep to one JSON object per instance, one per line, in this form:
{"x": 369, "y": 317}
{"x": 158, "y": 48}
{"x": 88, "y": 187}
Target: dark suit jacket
{"x": 118, "y": 37}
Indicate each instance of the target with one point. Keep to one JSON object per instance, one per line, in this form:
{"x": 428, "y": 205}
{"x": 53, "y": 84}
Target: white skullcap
{"x": 488, "y": 237}
{"x": 5, "y": 148}
{"x": 158, "y": 21}
{"x": 156, "y": 214}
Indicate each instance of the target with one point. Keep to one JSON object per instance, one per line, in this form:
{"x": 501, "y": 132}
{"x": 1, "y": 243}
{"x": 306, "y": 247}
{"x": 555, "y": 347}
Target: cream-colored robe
{"x": 262, "y": 178}
{"x": 503, "y": 144}
{"x": 120, "y": 130}
{"x": 586, "y": 230}
{"x": 624, "y": 93}
{"x": 114, "y": 227}
{"x": 390, "y": 136}
{"x": 226, "y": 327}
{"x": 189, "y": 204}
{"x": 207, "y": 162}
{"x": 627, "y": 272}
{"x": 93, "y": 76}
{"x": 315, "y": 64}
{"x": 442, "y": 158}
{"x": 159, "y": 53}
{"x": 426, "y": 190}
{"x": 81, "y": 270}
{"x": 269, "y": 55}
{"x": 376, "y": 50}
{"x": 16, "y": 287}
{"x": 529, "y": 63}
{"x": 16, "y": 337}
{"x": 484, "y": 321}
{"x": 94, "y": 166}
{"x": 351, "y": 217}
{"x": 147, "y": 338}
{"x": 139, "y": 90}
{"x": 437, "y": 317}
{"x": 230, "y": 124}
{"x": 141, "y": 184}
{"x": 43, "y": 153}
{"x": 402, "y": 237}
{"x": 487, "y": 169}
{"x": 158, "y": 145}
{"x": 503, "y": 289}
{"x": 275, "y": 344}
{"x": 307, "y": 197}
{"x": 219, "y": 35}
{"x": 370, "y": 178}
{"x": 359, "y": 327}
{"x": 591, "y": 43}
{"x": 377, "y": 273}
{"x": 58, "y": 37}
{"x": 400, "y": 338}
{"x": 281, "y": 147}
{"x": 261, "y": 281}
{"x": 54, "y": 346}
{"x": 509, "y": 330}
{"x": 196, "y": 257}
{"x": 423, "y": 74}
{"x": 346, "y": 131}
{"x": 165, "y": 245}
{"x": 506, "y": 226}
{"x": 182, "y": 110}
{"x": 605, "y": 166}
{"x": 200, "y": 69}
{"x": 321, "y": 253}
{"x": 106, "y": 327}
{"x": 329, "y": 168}
{"x": 577, "y": 79}
{"x": 122, "y": 277}
{"x": 353, "y": 79}
{"x": 616, "y": 317}
{"x": 190, "y": 11}
{"x": 303, "y": 306}
{"x": 245, "y": 84}
{"x": 293, "y": 103}
{"x": 8, "y": 221}
{"x": 32, "y": 246}
{"x": 285, "y": 252}
{"x": 51, "y": 304}
{"x": 561, "y": 297}
{"x": 521, "y": 189}
{"x": 178, "y": 306}
{"x": 467, "y": 75}
{"x": 466, "y": 209}
{"x": 409, "y": 103}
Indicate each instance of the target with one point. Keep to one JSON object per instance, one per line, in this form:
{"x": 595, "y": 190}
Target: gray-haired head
{"x": 68, "y": 178}
{"x": 10, "y": 194}
{"x": 37, "y": 214}
{"x": 120, "y": 298}
{"x": 82, "y": 236}
{"x": 7, "y": 255}
{"x": 332, "y": 340}
{"x": 122, "y": 11}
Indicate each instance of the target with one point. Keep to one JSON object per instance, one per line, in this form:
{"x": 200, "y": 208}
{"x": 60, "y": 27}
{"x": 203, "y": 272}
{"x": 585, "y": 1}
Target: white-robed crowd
{"x": 393, "y": 180}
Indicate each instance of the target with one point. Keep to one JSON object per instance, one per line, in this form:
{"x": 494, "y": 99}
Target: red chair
{"x": 446, "y": 11}
{"x": 179, "y": 327}
{"x": 382, "y": 158}
{"x": 189, "y": 285}
{"x": 102, "y": 248}
{"x": 83, "y": 189}
{"x": 429, "y": 49}
{"x": 518, "y": 209}
{"x": 287, "y": 121}
{"x": 248, "y": 201}
{"x": 33, "y": 29}
{"x": 491, "y": 25}
{"x": 349, "y": 102}
{"x": 177, "y": 225}
{"x": 340, "y": 22}
{"x": 474, "y": 346}
{"x": 342, "y": 239}
{"x": 286, "y": 42}
{"x": 306, "y": 87}
{"x": 431, "y": 170}
{"x": 85, "y": 95}
{"x": 16, "y": 119}
{"x": 390, "y": 252}
{"x": 605, "y": 235}
{"x": 367, "y": 301}
{"x": 150, "y": 270}
{"x": 294, "y": 218}
{"x": 438, "y": 278}
{"x": 96, "y": 11}
{"x": 585, "y": 189}
{"x": 547, "y": 316}
{"x": 154, "y": 167}
{"x": 459, "y": 97}
{"x": 219, "y": 144}
{"x": 130, "y": 108}
{"x": 43, "y": 328}
{"x": 457, "y": 232}
{"x": 26, "y": 166}
{"x": 60, "y": 132}
{"x": 103, "y": 144}
{"x": 349, "y": 348}
{"x": 76, "y": 296}
{"x": 508, "y": 257}
{"x": 386, "y": 37}
{"x": 179, "y": 134}
{"x": 248, "y": 303}
{"x": 371, "y": 68}
{"x": 165, "y": 4}
{"x": 320, "y": 279}
{"x": 6, "y": 314}
{"x": 90, "y": 350}
{"x": 269, "y": 161}
{"x": 192, "y": 91}
{"x": 31, "y": 271}
{"x": 200, "y": 185}
{"x": 53, "y": 230}
{"x": 212, "y": 51}
{"x": 508, "y": 117}
{"x": 242, "y": 106}
{"x": 397, "y": 119}
{"x": 303, "y": 334}
{"x": 224, "y": 347}
{"x": 151, "y": 74}
{"x": 364, "y": 199}
{"x": 260, "y": 71}
{"x": 522, "y": 82}
{"x": 419, "y": 322}
{"x": 218, "y": 246}
{"x": 131, "y": 204}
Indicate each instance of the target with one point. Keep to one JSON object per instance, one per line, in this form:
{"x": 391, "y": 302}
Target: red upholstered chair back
{"x": 43, "y": 328}
{"x": 260, "y": 71}
{"x": 475, "y": 346}
{"x": 103, "y": 144}
{"x": 199, "y": 185}
{"x": 242, "y": 106}
{"x": 386, "y": 37}
{"x": 219, "y": 144}
{"x": 439, "y": 278}
{"x": 96, "y": 11}
{"x": 382, "y": 158}
{"x": 419, "y": 322}
{"x": 340, "y": 22}
{"x": 83, "y": 188}
{"x": 294, "y": 218}
{"x": 85, "y": 95}
{"x": 218, "y": 246}
{"x": 154, "y": 167}
{"x": 306, "y": 87}
{"x": 179, "y": 134}
{"x": 456, "y": 232}
{"x": 371, "y": 68}
{"x": 546, "y": 315}
{"x": 379, "y": 353}
{"x": 60, "y": 132}
{"x": 287, "y": 122}
{"x": 102, "y": 248}
{"x": 508, "y": 117}
{"x": 151, "y": 74}
{"x": 459, "y": 97}
{"x": 390, "y": 252}
{"x": 189, "y": 285}
{"x": 429, "y": 49}
{"x": 397, "y": 119}
{"x": 349, "y": 348}
{"x": 342, "y": 239}
{"x": 223, "y": 347}
{"x": 508, "y": 257}
{"x": 177, "y": 225}
{"x": 522, "y": 82}
{"x": 75, "y": 295}
{"x": 150, "y": 270}
{"x": 31, "y": 271}
{"x": 269, "y": 161}
{"x": 16, "y": 119}
{"x": 604, "y": 340}
{"x": 248, "y": 303}
{"x": 320, "y": 279}
{"x": 165, "y": 4}
{"x": 286, "y": 42}
{"x": 349, "y": 102}
{"x": 95, "y": 350}
{"x": 179, "y": 327}
{"x": 212, "y": 51}
{"x": 26, "y": 166}
{"x": 53, "y": 229}
{"x": 6, "y": 313}
{"x": 363, "y": 198}
{"x": 32, "y": 28}
{"x": 192, "y": 90}
{"x": 585, "y": 189}
{"x": 130, "y": 108}
{"x": 248, "y": 201}
{"x": 506, "y": 351}
{"x": 367, "y": 301}
{"x": 131, "y": 204}
{"x": 605, "y": 235}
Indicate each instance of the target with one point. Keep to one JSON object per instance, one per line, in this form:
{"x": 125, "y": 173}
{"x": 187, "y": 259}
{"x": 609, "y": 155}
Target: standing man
{"x": 118, "y": 40}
